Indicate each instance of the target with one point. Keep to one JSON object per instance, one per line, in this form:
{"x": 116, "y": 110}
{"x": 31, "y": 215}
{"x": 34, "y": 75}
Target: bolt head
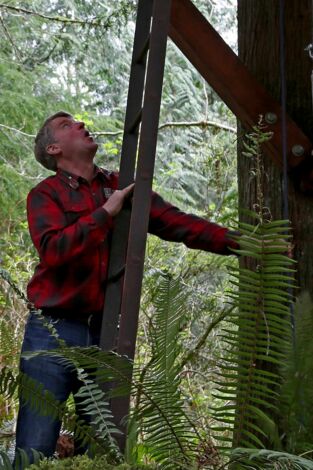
{"x": 297, "y": 150}
{"x": 270, "y": 118}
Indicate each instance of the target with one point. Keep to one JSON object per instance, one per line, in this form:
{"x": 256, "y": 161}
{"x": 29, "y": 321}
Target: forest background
{"x": 75, "y": 56}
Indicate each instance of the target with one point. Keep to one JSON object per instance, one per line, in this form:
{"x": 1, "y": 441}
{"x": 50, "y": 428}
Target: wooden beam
{"x": 232, "y": 81}
{"x": 140, "y": 212}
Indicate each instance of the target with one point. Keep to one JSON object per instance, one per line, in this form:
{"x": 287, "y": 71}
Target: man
{"x": 70, "y": 216}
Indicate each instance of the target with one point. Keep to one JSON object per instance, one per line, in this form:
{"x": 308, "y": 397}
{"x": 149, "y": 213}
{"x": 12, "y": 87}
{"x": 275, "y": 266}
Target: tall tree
{"x": 258, "y": 44}
{"x": 259, "y": 49}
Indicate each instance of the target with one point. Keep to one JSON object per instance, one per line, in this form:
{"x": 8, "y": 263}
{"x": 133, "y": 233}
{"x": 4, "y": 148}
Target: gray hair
{"x": 44, "y": 138}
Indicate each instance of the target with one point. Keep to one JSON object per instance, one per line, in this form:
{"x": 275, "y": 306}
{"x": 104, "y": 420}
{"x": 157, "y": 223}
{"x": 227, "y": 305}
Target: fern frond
{"x": 21, "y": 459}
{"x": 94, "y": 403}
{"x": 93, "y": 367}
{"x": 102, "y": 366}
{"x": 161, "y": 408}
{"x": 7, "y": 277}
{"x": 297, "y": 397}
{"x": 8, "y": 382}
{"x": 87, "y": 437}
{"x": 9, "y": 343}
{"x": 39, "y": 399}
{"x": 168, "y": 434}
{"x": 44, "y": 403}
{"x": 268, "y": 459}
{"x": 254, "y": 343}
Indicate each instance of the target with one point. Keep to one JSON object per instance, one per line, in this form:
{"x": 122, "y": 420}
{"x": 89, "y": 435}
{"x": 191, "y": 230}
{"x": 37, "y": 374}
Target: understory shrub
{"x": 83, "y": 462}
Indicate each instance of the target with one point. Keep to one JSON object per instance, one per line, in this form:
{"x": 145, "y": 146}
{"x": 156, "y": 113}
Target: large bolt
{"x": 297, "y": 150}
{"x": 270, "y": 118}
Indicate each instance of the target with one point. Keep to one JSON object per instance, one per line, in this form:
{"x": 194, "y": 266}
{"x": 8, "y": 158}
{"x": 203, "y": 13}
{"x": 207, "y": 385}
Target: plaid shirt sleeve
{"x": 56, "y": 241}
{"x": 170, "y": 223}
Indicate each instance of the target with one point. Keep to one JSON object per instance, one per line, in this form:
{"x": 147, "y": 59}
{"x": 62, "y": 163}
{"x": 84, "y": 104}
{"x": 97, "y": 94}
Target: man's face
{"x": 72, "y": 138}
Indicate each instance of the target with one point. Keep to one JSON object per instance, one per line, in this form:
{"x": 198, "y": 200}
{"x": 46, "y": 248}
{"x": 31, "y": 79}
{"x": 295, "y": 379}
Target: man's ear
{"x": 53, "y": 149}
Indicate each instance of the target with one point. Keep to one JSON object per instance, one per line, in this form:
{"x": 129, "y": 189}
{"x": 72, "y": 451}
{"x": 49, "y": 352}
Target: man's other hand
{"x": 115, "y": 202}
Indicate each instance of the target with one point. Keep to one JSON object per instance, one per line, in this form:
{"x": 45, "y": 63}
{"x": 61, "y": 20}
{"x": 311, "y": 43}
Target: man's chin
{"x": 92, "y": 144}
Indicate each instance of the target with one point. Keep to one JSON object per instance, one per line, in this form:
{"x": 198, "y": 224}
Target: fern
{"x": 21, "y": 459}
{"x": 9, "y": 342}
{"x": 258, "y": 329}
{"x": 160, "y": 407}
{"x": 168, "y": 435}
{"x": 98, "y": 437}
{"x": 255, "y": 337}
{"x": 7, "y": 277}
{"x": 87, "y": 437}
{"x": 95, "y": 405}
{"x": 101, "y": 366}
{"x": 8, "y": 382}
{"x": 40, "y": 400}
{"x": 297, "y": 397}
{"x": 269, "y": 459}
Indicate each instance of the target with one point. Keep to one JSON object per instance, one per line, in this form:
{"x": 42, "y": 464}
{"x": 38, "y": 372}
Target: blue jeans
{"x": 35, "y": 431}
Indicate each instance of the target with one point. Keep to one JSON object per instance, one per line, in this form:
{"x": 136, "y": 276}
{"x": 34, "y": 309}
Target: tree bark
{"x": 259, "y": 49}
{"x": 258, "y": 42}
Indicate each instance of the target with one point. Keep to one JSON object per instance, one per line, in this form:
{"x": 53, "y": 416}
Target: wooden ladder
{"x": 122, "y": 299}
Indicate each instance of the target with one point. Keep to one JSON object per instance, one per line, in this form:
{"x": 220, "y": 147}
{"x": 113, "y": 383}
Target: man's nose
{"x": 80, "y": 124}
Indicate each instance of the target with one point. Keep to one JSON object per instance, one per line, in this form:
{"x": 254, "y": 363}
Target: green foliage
{"x": 169, "y": 436}
{"x": 9, "y": 343}
{"x": 196, "y": 164}
{"x": 250, "y": 382}
{"x": 98, "y": 437}
{"x": 296, "y": 400}
{"x": 8, "y": 382}
{"x": 95, "y": 405}
{"x": 7, "y": 277}
{"x": 81, "y": 462}
{"x": 85, "y": 463}
{"x": 254, "y": 459}
{"x": 100, "y": 366}
{"x": 10, "y": 337}
{"x": 22, "y": 459}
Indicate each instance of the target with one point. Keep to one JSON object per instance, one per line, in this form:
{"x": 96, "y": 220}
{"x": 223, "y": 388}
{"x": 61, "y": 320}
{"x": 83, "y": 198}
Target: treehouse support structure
{"x": 143, "y": 108}
{"x": 242, "y": 93}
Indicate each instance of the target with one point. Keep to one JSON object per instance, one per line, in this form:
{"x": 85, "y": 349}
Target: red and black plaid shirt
{"x": 71, "y": 232}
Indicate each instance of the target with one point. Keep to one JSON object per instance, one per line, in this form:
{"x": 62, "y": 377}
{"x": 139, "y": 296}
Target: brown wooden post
{"x": 142, "y": 198}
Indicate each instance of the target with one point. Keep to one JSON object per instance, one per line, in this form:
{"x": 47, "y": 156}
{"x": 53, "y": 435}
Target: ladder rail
{"x": 142, "y": 198}
{"x": 118, "y": 247}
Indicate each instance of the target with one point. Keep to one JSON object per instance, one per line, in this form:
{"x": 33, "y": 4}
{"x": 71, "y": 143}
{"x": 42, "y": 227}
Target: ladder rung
{"x": 134, "y": 125}
{"x": 143, "y": 52}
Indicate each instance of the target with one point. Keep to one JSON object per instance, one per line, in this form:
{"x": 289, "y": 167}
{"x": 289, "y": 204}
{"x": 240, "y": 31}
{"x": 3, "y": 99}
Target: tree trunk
{"x": 258, "y": 38}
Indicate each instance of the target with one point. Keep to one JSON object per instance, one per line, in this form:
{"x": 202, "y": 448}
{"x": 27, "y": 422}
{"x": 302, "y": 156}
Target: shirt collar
{"x": 74, "y": 181}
